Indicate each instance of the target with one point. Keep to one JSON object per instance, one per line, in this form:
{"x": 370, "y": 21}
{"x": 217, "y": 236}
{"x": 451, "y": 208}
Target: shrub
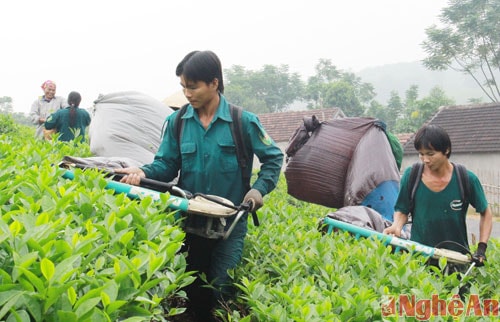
{"x": 74, "y": 251}
{"x": 7, "y": 124}
{"x": 293, "y": 272}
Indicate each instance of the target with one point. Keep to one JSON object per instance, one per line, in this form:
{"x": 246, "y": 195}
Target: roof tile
{"x": 281, "y": 126}
{"x": 472, "y": 128}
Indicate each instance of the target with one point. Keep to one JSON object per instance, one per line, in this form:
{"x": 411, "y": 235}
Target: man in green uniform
{"x": 205, "y": 155}
{"x": 439, "y": 215}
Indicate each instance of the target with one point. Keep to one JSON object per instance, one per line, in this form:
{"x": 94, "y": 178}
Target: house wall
{"x": 282, "y": 146}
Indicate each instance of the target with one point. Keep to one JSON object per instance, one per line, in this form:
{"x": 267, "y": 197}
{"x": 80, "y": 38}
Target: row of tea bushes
{"x": 74, "y": 251}
{"x": 294, "y": 272}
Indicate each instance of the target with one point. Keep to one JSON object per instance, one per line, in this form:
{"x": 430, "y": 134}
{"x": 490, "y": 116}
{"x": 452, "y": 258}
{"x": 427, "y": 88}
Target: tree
{"x": 271, "y": 89}
{"x": 378, "y": 111}
{"x": 416, "y": 112}
{"x": 343, "y": 94}
{"x": 6, "y": 105}
{"x": 395, "y": 105}
{"x": 390, "y": 114}
{"x": 331, "y": 87}
{"x": 468, "y": 42}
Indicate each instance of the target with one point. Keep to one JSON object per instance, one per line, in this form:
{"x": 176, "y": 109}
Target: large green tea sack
{"x": 340, "y": 162}
{"x": 127, "y": 125}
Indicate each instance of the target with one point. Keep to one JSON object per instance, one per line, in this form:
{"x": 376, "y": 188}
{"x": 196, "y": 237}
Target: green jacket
{"x": 60, "y": 121}
{"x": 440, "y": 216}
{"x": 206, "y": 159}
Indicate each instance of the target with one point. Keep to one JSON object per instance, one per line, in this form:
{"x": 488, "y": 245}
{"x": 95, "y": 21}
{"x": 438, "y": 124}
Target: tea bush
{"x": 294, "y": 272}
{"x": 7, "y": 124}
{"x": 74, "y": 251}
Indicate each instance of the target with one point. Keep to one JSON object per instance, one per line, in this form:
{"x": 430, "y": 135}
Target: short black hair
{"x": 433, "y": 137}
{"x": 201, "y": 66}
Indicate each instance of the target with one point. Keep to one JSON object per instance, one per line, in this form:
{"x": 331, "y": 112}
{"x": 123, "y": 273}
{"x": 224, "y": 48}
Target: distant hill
{"x": 401, "y": 76}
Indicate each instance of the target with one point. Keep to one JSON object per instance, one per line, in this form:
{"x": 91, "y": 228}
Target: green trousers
{"x": 213, "y": 258}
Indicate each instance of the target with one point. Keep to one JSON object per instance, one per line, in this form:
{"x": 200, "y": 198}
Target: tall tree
{"x": 394, "y": 110}
{"x": 468, "y": 42}
{"x": 343, "y": 94}
{"x": 6, "y": 105}
{"x": 331, "y": 87}
{"x": 271, "y": 89}
{"x": 416, "y": 112}
{"x": 380, "y": 112}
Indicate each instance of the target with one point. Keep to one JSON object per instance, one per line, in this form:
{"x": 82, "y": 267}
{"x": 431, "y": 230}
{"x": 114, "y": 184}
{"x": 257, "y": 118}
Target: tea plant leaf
{"x": 67, "y": 316}
{"x": 53, "y": 295}
{"x": 15, "y": 228}
{"x": 114, "y": 306}
{"x": 134, "y": 319}
{"x": 86, "y": 306}
{"x": 10, "y": 302}
{"x": 34, "y": 280}
{"x": 155, "y": 263}
{"x": 47, "y": 268}
{"x": 19, "y": 315}
{"x": 34, "y": 245}
{"x": 91, "y": 294}
{"x": 65, "y": 269}
{"x": 105, "y": 299}
{"x": 72, "y": 295}
{"x": 90, "y": 257}
{"x": 126, "y": 238}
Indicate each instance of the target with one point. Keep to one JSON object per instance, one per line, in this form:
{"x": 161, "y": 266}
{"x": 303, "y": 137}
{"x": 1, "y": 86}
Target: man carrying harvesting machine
{"x": 439, "y": 210}
{"x": 205, "y": 154}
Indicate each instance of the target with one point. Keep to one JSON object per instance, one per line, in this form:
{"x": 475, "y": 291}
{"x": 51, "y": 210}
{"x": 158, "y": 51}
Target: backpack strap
{"x": 178, "y": 124}
{"x": 239, "y": 142}
{"x": 463, "y": 181}
{"x": 241, "y": 150}
{"x": 416, "y": 174}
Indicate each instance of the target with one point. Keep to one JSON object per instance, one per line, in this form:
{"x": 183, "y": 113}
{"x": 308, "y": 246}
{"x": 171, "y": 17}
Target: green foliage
{"x": 7, "y": 124}
{"x": 408, "y": 116}
{"x": 418, "y": 111}
{"x": 294, "y": 272}
{"x": 73, "y": 251}
{"x": 331, "y": 87}
{"x": 271, "y": 89}
{"x": 6, "y": 104}
{"x": 274, "y": 89}
{"x": 468, "y": 42}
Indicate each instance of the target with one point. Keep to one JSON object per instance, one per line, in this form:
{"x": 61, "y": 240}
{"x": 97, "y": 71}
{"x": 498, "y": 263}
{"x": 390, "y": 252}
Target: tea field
{"x": 71, "y": 250}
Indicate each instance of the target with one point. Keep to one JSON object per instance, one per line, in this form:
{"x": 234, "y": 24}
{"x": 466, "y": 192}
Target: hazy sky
{"x": 116, "y": 45}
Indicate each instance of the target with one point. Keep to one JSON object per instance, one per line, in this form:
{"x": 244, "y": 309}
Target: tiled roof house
{"x": 475, "y": 142}
{"x": 280, "y": 126}
{"x": 472, "y": 128}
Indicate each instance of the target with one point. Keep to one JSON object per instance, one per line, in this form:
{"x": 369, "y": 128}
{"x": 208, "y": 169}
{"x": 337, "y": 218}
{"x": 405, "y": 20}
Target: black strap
{"x": 241, "y": 150}
{"x": 239, "y": 142}
{"x": 239, "y": 138}
{"x": 416, "y": 174}
{"x": 463, "y": 181}
{"x": 178, "y": 124}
